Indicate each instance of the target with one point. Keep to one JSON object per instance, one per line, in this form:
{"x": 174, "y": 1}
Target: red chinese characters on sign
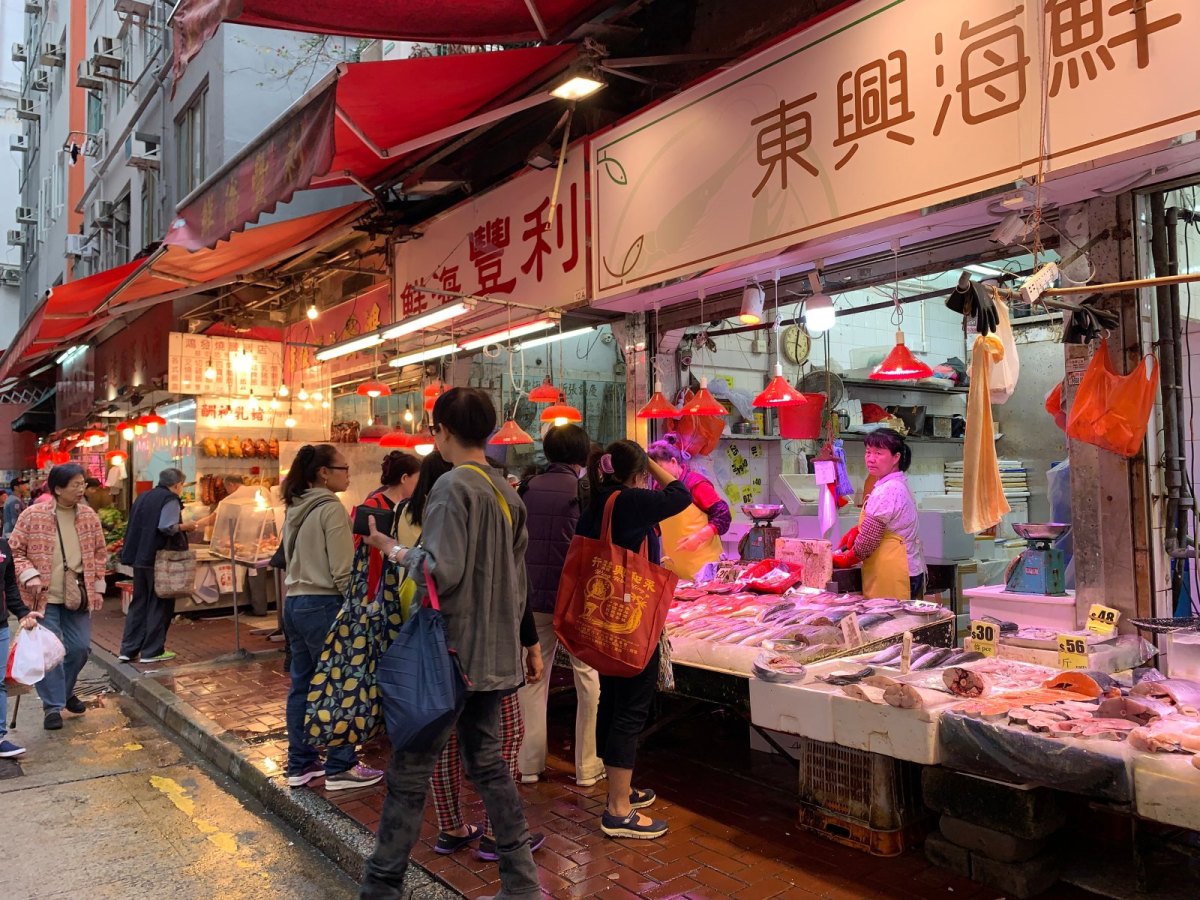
{"x": 487, "y": 245}
{"x": 565, "y": 231}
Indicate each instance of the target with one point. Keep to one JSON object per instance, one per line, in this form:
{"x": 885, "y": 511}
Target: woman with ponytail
{"x": 886, "y": 541}
{"x": 623, "y": 468}
{"x": 319, "y": 550}
{"x": 692, "y": 539}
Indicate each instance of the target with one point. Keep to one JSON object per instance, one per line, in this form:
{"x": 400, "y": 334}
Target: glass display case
{"x": 248, "y": 524}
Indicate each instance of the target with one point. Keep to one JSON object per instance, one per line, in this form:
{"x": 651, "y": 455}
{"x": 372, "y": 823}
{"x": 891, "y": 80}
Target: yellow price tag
{"x": 1072, "y": 652}
{"x": 1103, "y": 619}
{"x": 984, "y": 637}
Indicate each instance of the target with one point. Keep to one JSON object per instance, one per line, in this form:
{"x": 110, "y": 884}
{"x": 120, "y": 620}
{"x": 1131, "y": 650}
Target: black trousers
{"x": 916, "y": 586}
{"x": 149, "y": 617}
{"x": 624, "y": 709}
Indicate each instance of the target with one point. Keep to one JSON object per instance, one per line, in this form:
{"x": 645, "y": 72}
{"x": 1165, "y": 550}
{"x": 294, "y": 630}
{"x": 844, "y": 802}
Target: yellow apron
{"x": 684, "y": 525}
{"x": 885, "y": 572}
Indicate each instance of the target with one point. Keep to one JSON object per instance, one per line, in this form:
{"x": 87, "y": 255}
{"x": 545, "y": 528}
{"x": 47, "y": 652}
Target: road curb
{"x": 339, "y": 837}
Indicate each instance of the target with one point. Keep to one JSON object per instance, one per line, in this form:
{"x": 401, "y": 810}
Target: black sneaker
{"x": 53, "y": 721}
{"x": 487, "y": 846}
{"x": 75, "y": 705}
{"x": 451, "y": 843}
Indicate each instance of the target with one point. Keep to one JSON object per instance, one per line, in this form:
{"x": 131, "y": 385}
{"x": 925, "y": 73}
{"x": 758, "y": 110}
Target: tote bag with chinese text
{"x": 612, "y": 603}
{"x": 1111, "y": 411}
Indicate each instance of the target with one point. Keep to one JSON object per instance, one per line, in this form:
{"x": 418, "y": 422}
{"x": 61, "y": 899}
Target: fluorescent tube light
{"x": 507, "y": 334}
{"x": 423, "y": 355}
{"x": 425, "y": 320}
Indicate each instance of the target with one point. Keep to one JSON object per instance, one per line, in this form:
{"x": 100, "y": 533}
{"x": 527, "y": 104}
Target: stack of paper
{"x": 1013, "y": 475}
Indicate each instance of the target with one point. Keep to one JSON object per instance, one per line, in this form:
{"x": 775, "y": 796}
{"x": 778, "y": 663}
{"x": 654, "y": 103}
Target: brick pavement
{"x": 732, "y": 812}
{"x": 195, "y": 640}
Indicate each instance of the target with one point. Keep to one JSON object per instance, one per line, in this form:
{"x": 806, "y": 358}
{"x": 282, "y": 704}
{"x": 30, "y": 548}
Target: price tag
{"x": 1103, "y": 619}
{"x": 1072, "y": 652}
{"x": 984, "y": 637}
{"x": 906, "y": 653}
{"x": 852, "y": 631}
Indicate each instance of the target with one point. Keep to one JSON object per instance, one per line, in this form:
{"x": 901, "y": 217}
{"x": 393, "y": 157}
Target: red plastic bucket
{"x": 802, "y": 422}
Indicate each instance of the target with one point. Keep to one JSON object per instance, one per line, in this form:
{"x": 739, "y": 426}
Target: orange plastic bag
{"x": 700, "y": 434}
{"x": 1054, "y": 406}
{"x": 1111, "y": 411}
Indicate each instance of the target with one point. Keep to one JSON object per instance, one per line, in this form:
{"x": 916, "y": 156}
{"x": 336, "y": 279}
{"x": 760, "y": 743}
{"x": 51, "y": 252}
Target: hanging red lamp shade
{"x": 431, "y": 393}
{"x": 561, "y": 414}
{"x": 373, "y": 434}
{"x": 373, "y": 389}
{"x": 93, "y": 437}
{"x": 658, "y": 407}
{"x": 116, "y": 457}
{"x": 779, "y": 392}
{"x": 125, "y": 429}
{"x": 545, "y": 392}
{"x": 901, "y": 365}
{"x": 152, "y": 422}
{"x": 703, "y": 403}
{"x": 511, "y": 433}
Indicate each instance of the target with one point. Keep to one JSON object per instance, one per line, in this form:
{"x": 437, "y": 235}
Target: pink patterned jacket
{"x": 33, "y": 542}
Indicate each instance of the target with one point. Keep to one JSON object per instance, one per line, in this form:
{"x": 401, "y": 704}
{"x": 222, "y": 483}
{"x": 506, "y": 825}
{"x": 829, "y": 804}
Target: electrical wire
{"x": 1187, "y": 381}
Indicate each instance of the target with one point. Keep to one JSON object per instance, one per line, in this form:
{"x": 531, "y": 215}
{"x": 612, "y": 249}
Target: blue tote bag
{"x": 420, "y": 680}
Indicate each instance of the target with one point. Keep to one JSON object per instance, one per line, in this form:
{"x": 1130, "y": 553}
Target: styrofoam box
{"x": 793, "y": 709}
{"x": 789, "y": 742}
{"x": 1058, "y": 613}
{"x": 909, "y": 734}
{"x": 1183, "y": 654}
{"x": 1166, "y": 787}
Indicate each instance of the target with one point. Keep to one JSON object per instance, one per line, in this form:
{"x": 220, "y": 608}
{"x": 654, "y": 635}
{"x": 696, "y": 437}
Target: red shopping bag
{"x": 11, "y": 685}
{"x": 1111, "y": 411}
{"x": 1054, "y": 406}
{"x": 612, "y": 603}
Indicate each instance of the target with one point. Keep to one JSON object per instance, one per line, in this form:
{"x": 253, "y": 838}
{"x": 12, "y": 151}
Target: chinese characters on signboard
{"x": 238, "y": 367}
{"x": 884, "y": 108}
{"x": 506, "y": 243}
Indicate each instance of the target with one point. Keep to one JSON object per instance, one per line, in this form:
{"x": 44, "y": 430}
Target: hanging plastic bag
{"x": 699, "y": 435}
{"x": 38, "y": 651}
{"x": 1002, "y": 378}
{"x": 1111, "y": 411}
{"x": 1054, "y": 406}
{"x": 11, "y": 685}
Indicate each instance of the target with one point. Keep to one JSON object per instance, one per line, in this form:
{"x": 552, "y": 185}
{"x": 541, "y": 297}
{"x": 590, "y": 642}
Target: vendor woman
{"x": 886, "y": 540}
{"x": 691, "y": 539}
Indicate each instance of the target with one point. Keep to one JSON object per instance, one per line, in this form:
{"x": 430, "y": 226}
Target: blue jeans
{"x": 3, "y": 692}
{"x": 307, "y": 619}
{"x": 74, "y": 628}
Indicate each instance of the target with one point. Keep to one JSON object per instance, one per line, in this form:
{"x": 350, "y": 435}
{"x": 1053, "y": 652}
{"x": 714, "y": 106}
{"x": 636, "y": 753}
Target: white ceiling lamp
{"x": 427, "y": 320}
{"x": 508, "y": 334}
{"x": 345, "y": 348}
{"x": 553, "y": 338}
{"x": 819, "y": 314}
{"x": 577, "y": 87}
{"x": 986, "y": 271}
{"x": 70, "y": 353}
{"x": 423, "y": 355}
{"x": 753, "y": 299}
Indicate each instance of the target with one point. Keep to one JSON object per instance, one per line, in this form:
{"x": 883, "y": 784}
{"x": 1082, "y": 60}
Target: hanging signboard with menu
{"x": 882, "y": 108}
{"x": 237, "y": 367}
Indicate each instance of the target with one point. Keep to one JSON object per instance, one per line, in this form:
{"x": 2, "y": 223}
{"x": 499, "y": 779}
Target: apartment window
{"x": 95, "y": 113}
{"x": 120, "y": 230}
{"x": 58, "y": 188}
{"x": 154, "y": 30}
{"x": 150, "y": 228}
{"x": 189, "y": 142}
{"x": 126, "y": 72}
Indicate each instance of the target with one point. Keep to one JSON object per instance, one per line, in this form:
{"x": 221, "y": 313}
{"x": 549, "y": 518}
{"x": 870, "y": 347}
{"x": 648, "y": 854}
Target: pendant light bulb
{"x": 283, "y": 390}
{"x": 274, "y": 404}
{"x": 313, "y": 312}
{"x": 408, "y": 416}
{"x": 819, "y": 314}
{"x": 210, "y": 373}
{"x": 290, "y": 421}
{"x": 302, "y": 394}
{"x": 753, "y": 299}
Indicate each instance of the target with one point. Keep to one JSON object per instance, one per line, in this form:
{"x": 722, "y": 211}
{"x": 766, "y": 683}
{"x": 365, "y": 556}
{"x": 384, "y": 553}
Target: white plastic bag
{"x": 1002, "y": 380}
{"x": 38, "y": 651}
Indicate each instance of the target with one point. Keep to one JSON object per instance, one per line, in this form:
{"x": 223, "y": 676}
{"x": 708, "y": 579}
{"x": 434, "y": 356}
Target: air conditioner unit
{"x": 10, "y": 276}
{"x": 52, "y": 55}
{"x": 106, "y": 53}
{"x": 147, "y": 161}
{"x": 16, "y": 237}
{"x": 33, "y": 7}
{"x": 28, "y": 110}
{"x": 134, "y": 8}
{"x": 86, "y": 77}
{"x": 26, "y": 215}
{"x": 102, "y": 211}
{"x": 40, "y": 81}
{"x": 20, "y": 53}
{"x": 18, "y": 143}
{"x": 79, "y": 246}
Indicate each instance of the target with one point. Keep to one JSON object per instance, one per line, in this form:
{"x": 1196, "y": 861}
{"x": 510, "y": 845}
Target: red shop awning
{"x": 357, "y": 127}
{"x": 432, "y": 21}
{"x": 77, "y": 308}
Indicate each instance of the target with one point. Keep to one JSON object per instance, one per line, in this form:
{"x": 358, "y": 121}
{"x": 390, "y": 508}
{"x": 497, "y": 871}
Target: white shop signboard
{"x": 883, "y": 108}
{"x": 240, "y": 367}
{"x": 498, "y": 245}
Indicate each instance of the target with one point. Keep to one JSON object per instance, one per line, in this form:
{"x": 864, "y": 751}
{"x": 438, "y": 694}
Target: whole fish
{"x": 873, "y": 619}
{"x": 852, "y": 678}
{"x": 962, "y": 656}
{"x": 934, "y": 658}
{"x": 887, "y": 655}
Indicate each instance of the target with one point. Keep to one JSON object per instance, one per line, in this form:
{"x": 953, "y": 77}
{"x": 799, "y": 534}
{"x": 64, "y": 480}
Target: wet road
{"x": 110, "y": 807}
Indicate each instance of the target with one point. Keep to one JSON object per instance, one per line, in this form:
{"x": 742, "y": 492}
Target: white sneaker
{"x": 591, "y": 782}
{"x": 530, "y": 779}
